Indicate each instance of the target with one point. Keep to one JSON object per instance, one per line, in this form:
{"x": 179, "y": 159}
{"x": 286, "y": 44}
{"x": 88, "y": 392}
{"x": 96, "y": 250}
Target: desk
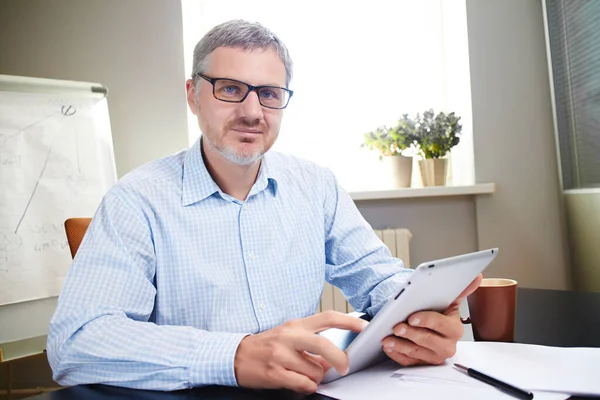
{"x": 548, "y": 317}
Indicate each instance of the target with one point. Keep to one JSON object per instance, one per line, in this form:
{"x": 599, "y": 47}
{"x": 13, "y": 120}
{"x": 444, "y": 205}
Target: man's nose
{"x": 251, "y": 106}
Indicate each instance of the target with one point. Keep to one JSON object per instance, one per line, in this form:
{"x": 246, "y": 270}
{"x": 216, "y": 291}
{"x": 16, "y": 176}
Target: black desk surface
{"x": 548, "y": 317}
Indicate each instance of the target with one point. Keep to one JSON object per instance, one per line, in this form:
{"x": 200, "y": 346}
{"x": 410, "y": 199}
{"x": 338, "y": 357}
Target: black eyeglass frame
{"x": 251, "y": 88}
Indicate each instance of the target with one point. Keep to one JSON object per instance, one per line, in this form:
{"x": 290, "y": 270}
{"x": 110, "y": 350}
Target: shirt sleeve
{"x": 358, "y": 262}
{"x": 102, "y": 332}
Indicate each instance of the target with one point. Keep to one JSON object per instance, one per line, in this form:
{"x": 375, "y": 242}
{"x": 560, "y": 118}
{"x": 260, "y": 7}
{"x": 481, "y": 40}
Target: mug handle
{"x": 465, "y": 320}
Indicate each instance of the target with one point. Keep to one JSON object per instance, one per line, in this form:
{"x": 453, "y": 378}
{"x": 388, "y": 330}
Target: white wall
{"x": 514, "y": 143}
{"x": 134, "y": 47}
{"x": 441, "y": 226}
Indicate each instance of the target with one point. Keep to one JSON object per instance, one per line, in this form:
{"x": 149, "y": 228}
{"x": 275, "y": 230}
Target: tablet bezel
{"x": 445, "y": 279}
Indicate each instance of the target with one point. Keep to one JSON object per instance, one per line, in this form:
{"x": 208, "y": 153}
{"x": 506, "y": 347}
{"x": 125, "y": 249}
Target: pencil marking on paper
{"x": 76, "y": 146}
{"x": 6, "y": 137}
{"x": 34, "y": 189}
{"x": 68, "y": 111}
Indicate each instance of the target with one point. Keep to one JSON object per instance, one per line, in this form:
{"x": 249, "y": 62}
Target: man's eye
{"x": 231, "y": 89}
{"x": 269, "y": 94}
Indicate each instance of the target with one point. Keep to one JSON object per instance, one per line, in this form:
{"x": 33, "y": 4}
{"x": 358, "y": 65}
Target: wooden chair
{"x": 75, "y": 228}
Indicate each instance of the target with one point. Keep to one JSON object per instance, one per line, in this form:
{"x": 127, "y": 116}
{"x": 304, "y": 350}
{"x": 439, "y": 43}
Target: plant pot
{"x": 400, "y": 169}
{"x": 433, "y": 171}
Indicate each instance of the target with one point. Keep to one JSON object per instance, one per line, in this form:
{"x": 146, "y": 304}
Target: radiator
{"x": 397, "y": 240}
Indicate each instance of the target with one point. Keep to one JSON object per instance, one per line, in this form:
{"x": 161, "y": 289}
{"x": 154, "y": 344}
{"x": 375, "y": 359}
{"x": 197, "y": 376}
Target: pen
{"x": 503, "y": 386}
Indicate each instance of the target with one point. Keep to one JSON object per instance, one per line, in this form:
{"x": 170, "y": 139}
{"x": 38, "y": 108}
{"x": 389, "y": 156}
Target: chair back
{"x": 75, "y": 228}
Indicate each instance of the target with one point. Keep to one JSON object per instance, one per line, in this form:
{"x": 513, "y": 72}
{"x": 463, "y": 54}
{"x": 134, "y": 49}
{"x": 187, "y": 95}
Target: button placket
{"x": 250, "y": 257}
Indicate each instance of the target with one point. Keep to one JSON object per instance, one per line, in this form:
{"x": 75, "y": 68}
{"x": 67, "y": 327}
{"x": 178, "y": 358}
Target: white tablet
{"x": 432, "y": 286}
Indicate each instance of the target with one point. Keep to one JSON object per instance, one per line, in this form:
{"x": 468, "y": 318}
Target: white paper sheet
{"x": 386, "y": 382}
{"x": 559, "y": 369}
{"x": 55, "y": 162}
{"x": 550, "y": 372}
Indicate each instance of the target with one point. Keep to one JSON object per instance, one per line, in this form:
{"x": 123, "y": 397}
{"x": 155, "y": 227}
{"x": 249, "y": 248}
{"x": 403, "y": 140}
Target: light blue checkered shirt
{"x": 173, "y": 272}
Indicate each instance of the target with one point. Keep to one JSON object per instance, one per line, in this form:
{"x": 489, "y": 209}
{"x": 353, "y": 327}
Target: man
{"x": 206, "y": 267}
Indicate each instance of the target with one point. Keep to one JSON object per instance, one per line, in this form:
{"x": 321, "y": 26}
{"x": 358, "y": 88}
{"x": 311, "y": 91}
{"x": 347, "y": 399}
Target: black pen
{"x": 505, "y": 387}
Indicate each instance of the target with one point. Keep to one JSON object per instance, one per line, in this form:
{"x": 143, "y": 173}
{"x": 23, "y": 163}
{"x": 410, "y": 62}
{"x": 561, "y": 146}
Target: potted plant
{"x": 391, "y": 143}
{"x": 436, "y": 136}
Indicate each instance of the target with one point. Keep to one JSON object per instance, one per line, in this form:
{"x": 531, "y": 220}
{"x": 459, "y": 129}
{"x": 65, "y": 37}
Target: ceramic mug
{"x": 492, "y": 310}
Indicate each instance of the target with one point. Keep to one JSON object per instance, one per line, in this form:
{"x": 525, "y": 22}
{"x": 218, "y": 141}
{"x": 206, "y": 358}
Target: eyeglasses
{"x": 232, "y": 91}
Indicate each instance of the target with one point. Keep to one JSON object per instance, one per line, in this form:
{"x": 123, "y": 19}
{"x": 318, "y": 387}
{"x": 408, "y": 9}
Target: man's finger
{"x": 470, "y": 289}
{"x": 423, "y": 337}
{"x": 305, "y": 366}
{"x": 410, "y": 350}
{"x": 333, "y": 319}
{"x": 452, "y": 312}
{"x": 323, "y": 347}
{"x": 319, "y": 360}
{"x": 297, "y": 382}
{"x": 446, "y": 325}
{"x": 402, "y": 359}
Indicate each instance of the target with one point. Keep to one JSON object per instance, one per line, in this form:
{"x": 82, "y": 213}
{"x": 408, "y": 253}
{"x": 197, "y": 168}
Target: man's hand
{"x": 429, "y": 337}
{"x": 279, "y": 358}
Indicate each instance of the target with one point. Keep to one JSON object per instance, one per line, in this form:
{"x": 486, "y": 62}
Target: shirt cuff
{"x": 213, "y": 361}
{"x": 387, "y": 289}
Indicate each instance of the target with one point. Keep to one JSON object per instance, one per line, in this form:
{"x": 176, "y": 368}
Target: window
{"x": 357, "y": 65}
{"x": 574, "y": 39}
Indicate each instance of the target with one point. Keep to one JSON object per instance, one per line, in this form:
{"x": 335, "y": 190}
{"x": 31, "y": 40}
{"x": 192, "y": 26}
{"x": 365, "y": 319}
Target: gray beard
{"x": 233, "y": 157}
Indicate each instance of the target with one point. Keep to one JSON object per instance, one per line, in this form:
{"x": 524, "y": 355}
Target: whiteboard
{"x": 56, "y": 162}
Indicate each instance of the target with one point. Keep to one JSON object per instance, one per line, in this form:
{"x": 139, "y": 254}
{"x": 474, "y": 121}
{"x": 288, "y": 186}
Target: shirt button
{"x": 251, "y": 256}
{"x": 262, "y": 306}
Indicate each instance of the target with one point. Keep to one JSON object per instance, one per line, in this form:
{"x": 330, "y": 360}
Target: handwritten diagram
{"x": 55, "y": 163}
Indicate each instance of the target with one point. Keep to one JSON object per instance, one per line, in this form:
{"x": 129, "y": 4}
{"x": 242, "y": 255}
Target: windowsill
{"x": 595, "y": 190}
{"x": 431, "y": 191}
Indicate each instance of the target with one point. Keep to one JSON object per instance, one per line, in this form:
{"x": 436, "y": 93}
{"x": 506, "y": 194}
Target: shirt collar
{"x": 198, "y": 184}
{"x": 267, "y": 177}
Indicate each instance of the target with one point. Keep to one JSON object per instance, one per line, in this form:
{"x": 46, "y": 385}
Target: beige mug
{"x": 492, "y": 310}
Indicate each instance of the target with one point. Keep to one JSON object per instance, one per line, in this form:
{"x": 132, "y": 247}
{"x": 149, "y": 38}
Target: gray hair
{"x": 243, "y": 35}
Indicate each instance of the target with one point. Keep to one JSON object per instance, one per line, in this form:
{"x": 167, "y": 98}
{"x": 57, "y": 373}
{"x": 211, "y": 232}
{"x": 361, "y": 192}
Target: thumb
{"x": 468, "y": 290}
{"x": 319, "y": 360}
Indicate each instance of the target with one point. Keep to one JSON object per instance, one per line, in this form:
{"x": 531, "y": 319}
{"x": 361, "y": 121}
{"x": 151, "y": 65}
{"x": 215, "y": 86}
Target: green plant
{"x": 391, "y": 141}
{"x": 437, "y": 134}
